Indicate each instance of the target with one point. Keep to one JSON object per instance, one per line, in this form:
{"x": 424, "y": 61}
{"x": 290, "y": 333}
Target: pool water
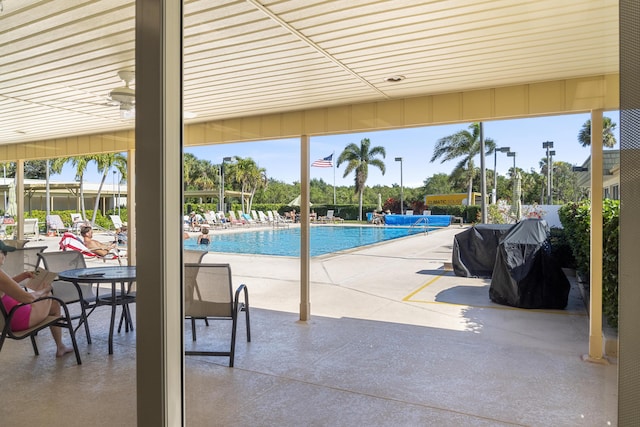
{"x": 286, "y": 242}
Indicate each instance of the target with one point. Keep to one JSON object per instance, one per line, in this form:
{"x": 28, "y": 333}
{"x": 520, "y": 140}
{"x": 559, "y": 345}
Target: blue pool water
{"x": 286, "y": 241}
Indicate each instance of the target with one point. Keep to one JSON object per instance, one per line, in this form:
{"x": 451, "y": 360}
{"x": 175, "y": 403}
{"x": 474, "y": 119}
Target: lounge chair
{"x": 70, "y": 241}
{"x": 56, "y": 225}
{"x": 209, "y": 294}
{"x": 330, "y": 217}
{"x": 235, "y": 221}
{"x": 31, "y": 227}
{"x": 264, "y": 218}
{"x": 76, "y": 222}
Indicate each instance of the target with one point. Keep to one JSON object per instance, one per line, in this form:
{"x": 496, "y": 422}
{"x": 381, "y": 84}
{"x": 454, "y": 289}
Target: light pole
{"x": 119, "y": 196}
{"x": 224, "y": 159}
{"x": 494, "y": 194}
{"x": 113, "y": 188}
{"x": 551, "y": 154}
{"x": 547, "y": 145}
{"x": 513, "y": 154}
{"x": 399, "y": 159}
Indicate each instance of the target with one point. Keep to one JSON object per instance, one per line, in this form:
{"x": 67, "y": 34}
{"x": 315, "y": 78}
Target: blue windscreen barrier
{"x": 408, "y": 220}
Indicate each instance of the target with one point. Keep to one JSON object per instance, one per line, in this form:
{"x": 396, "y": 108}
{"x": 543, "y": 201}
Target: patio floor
{"x": 394, "y": 340}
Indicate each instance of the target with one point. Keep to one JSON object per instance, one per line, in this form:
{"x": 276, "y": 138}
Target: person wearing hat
{"x": 27, "y": 316}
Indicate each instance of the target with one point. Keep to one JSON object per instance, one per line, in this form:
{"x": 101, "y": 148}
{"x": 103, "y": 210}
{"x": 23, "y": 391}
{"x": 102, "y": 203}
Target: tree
{"x": 80, "y": 164}
{"x": 608, "y": 139}
{"x": 438, "y": 184}
{"x": 358, "y": 160}
{"x": 465, "y": 144}
{"x": 250, "y": 177}
{"x": 104, "y": 163}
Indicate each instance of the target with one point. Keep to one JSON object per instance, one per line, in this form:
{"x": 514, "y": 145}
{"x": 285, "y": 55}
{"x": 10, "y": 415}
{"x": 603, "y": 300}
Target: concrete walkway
{"x": 394, "y": 340}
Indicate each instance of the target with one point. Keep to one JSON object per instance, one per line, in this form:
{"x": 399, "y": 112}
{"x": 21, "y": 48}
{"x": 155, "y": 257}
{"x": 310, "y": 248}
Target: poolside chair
{"x": 264, "y": 218}
{"x": 70, "y": 241}
{"x": 31, "y": 227}
{"x": 117, "y": 222}
{"x": 63, "y": 321}
{"x": 209, "y": 295}
{"x": 71, "y": 293}
{"x": 331, "y": 217}
{"x": 235, "y": 221}
{"x": 76, "y": 222}
{"x": 55, "y": 224}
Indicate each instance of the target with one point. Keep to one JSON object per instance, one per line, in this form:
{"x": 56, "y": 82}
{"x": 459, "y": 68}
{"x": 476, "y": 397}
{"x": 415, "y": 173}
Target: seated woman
{"x": 203, "y": 238}
{"x": 30, "y": 315}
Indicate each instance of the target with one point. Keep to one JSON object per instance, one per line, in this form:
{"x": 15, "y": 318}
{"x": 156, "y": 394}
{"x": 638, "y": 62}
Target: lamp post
{"x": 547, "y": 145}
{"x": 494, "y": 194}
{"x": 224, "y": 159}
{"x": 551, "y": 154}
{"x": 119, "y": 194}
{"x": 513, "y": 154}
{"x": 113, "y": 188}
{"x": 399, "y": 159}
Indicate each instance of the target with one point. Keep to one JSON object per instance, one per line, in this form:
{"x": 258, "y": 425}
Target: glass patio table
{"x": 120, "y": 278}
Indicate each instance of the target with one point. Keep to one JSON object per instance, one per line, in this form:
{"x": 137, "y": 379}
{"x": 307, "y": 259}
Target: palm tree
{"x": 465, "y": 144}
{"x": 358, "y": 159}
{"x": 245, "y": 171}
{"x": 80, "y": 163}
{"x": 608, "y": 139}
{"x": 105, "y": 162}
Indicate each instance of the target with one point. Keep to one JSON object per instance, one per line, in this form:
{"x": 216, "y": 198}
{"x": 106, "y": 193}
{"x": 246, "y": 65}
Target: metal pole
{"x": 551, "y": 154}
{"x": 119, "y": 195}
{"x": 113, "y": 189}
{"x": 399, "y": 159}
{"x": 494, "y": 193}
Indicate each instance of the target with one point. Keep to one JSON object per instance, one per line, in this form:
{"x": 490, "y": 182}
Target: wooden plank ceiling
{"x": 59, "y": 60}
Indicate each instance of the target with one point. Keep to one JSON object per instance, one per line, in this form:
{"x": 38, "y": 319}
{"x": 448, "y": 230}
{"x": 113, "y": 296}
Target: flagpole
{"x": 334, "y": 178}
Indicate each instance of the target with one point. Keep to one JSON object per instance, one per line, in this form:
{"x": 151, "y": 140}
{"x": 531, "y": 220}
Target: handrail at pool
{"x": 422, "y": 220}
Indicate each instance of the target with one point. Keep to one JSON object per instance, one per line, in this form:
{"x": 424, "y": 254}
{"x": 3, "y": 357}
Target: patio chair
{"x": 31, "y": 227}
{"x": 63, "y": 320}
{"x": 70, "y": 241}
{"x": 69, "y": 292}
{"x": 235, "y": 221}
{"x": 22, "y": 259}
{"x": 117, "y": 222}
{"x": 209, "y": 295}
{"x": 56, "y": 225}
{"x": 76, "y": 222}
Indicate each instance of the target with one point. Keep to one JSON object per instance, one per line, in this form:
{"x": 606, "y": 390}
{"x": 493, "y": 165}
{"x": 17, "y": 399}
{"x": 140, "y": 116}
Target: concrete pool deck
{"x": 393, "y": 340}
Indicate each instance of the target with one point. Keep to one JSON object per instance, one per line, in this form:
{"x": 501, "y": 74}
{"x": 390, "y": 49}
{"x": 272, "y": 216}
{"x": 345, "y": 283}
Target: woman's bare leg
{"x": 39, "y": 311}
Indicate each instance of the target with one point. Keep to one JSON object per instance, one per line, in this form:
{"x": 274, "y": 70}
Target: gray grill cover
{"x": 474, "y": 250}
{"x": 524, "y": 274}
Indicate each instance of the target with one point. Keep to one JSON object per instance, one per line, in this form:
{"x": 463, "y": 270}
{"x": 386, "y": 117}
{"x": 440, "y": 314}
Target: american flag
{"x": 323, "y": 163}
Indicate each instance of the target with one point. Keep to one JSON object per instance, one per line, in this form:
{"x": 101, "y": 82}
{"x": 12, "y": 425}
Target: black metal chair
{"x": 208, "y": 294}
{"x": 63, "y": 320}
{"x": 69, "y": 292}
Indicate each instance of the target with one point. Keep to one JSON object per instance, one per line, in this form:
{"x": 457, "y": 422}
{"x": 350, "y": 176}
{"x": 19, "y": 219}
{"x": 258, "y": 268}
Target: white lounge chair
{"x": 55, "y": 224}
{"x": 31, "y": 227}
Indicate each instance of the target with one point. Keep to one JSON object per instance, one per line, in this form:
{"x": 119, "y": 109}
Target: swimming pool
{"x": 286, "y": 242}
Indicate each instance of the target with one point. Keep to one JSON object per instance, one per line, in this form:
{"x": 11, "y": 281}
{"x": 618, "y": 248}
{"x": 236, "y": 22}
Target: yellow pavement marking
{"x": 496, "y": 307}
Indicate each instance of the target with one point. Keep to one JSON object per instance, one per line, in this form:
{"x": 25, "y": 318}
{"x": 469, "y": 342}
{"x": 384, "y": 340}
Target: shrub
{"x": 575, "y": 218}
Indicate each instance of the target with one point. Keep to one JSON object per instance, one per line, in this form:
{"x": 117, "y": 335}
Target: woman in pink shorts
{"x": 27, "y": 316}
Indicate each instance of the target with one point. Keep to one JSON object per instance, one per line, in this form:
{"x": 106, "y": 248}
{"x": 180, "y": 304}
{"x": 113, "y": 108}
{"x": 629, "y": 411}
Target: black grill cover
{"x": 474, "y": 250}
{"x": 524, "y": 274}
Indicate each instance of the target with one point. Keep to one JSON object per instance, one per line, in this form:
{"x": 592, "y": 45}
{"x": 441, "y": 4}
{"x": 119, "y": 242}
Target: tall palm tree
{"x": 250, "y": 177}
{"x": 358, "y": 159}
{"x": 464, "y": 144}
{"x": 608, "y": 139}
{"x": 80, "y": 164}
{"x": 105, "y": 162}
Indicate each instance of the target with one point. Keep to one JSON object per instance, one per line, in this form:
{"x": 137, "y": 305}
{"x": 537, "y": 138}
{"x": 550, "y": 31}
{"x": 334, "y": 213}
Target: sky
{"x": 280, "y": 158}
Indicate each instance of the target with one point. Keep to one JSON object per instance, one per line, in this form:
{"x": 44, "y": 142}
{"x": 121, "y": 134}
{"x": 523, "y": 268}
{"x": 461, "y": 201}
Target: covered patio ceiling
{"x": 60, "y": 60}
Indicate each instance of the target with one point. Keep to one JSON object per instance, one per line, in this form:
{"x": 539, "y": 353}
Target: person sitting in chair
{"x": 25, "y": 317}
{"x": 203, "y": 238}
{"x": 95, "y": 246}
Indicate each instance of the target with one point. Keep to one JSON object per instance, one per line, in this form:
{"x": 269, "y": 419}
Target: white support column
{"x": 131, "y": 208}
{"x": 595, "y": 287}
{"x": 19, "y": 183}
{"x": 305, "y": 304}
{"x": 159, "y": 136}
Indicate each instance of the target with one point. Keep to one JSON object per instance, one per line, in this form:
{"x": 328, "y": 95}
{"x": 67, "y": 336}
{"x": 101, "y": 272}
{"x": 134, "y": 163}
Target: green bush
{"x": 575, "y": 218}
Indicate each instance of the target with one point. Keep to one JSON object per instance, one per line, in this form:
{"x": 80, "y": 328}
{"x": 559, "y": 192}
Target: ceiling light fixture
{"x": 394, "y": 79}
